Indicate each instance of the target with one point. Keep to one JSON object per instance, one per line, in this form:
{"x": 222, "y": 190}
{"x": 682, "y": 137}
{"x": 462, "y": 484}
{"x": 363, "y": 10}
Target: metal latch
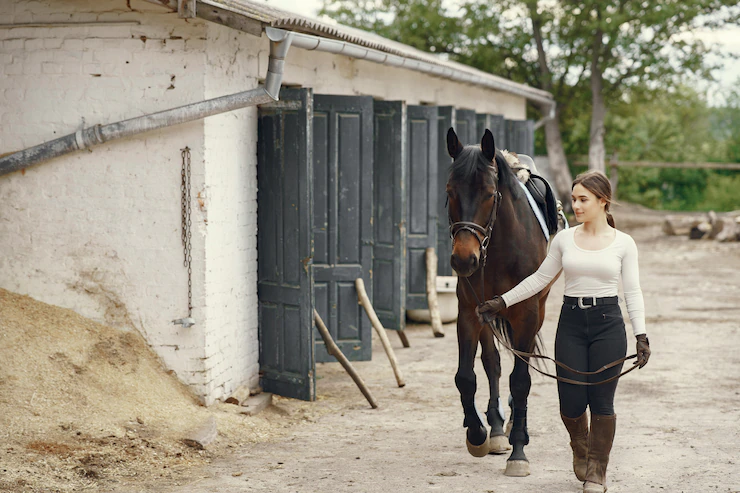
{"x": 185, "y": 322}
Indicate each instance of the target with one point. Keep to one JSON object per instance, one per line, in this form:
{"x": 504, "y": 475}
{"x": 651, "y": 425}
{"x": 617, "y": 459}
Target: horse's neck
{"x": 515, "y": 225}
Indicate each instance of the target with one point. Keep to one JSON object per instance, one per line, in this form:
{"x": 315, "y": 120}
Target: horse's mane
{"x": 471, "y": 163}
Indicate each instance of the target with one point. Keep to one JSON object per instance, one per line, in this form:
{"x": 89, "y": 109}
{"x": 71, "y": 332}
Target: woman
{"x": 591, "y": 330}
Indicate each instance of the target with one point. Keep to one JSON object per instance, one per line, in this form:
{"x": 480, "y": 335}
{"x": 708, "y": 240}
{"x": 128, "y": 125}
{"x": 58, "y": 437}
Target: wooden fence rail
{"x": 660, "y": 164}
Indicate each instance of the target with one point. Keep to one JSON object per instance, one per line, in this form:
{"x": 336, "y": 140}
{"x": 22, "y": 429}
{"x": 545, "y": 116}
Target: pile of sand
{"x": 85, "y": 406}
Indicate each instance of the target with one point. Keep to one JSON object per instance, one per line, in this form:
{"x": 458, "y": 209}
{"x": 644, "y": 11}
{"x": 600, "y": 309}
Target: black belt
{"x": 589, "y": 301}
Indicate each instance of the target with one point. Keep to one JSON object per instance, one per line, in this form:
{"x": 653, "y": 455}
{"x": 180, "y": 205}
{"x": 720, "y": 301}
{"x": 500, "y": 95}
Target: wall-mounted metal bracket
{"x": 186, "y": 9}
{"x": 185, "y": 322}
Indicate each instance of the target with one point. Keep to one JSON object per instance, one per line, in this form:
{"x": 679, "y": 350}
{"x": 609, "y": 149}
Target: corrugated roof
{"x": 294, "y": 22}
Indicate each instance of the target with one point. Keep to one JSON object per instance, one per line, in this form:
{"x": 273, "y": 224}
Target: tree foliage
{"x": 639, "y": 40}
{"x": 641, "y": 52}
{"x": 675, "y": 126}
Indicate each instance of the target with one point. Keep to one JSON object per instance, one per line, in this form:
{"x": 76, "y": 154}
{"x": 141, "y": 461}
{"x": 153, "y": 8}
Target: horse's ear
{"x": 454, "y": 147}
{"x": 488, "y": 146}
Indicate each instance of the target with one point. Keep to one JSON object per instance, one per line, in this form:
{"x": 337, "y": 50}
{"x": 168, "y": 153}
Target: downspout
{"x": 98, "y": 134}
{"x": 280, "y": 41}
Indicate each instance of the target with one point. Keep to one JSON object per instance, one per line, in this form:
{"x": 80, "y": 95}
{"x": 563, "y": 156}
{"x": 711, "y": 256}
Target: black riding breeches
{"x": 586, "y": 340}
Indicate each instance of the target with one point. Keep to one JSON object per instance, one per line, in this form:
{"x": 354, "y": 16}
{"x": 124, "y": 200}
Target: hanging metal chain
{"x": 186, "y": 234}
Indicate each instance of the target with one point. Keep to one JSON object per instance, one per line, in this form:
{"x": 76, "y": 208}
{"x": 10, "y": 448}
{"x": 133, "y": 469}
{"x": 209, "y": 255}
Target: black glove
{"x": 488, "y": 309}
{"x": 643, "y": 350}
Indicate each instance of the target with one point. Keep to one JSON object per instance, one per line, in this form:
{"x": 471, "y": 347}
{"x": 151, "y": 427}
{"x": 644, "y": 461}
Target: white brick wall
{"x": 98, "y": 231}
{"x": 232, "y": 348}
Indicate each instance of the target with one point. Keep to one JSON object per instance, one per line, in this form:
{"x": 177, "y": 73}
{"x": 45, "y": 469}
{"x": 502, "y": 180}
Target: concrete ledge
{"x": 256, "y": 404}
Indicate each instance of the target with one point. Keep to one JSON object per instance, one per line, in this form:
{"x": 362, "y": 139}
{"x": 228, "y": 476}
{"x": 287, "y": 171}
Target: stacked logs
{"x": 713, "y": 226}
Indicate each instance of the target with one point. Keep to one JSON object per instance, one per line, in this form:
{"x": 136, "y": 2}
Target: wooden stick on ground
{"x": 404, "y": 339}
{"x": 334, "y": 350}
{"x": 365, "y": 302}
{"x": 431, "y": 257}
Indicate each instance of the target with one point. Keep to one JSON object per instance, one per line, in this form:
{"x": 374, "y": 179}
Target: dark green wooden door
{"x": 285, "y": 246}
{"x": 422, "y": 189}
{"x": 343, "y": 220}
{"x": 389, "y": 260}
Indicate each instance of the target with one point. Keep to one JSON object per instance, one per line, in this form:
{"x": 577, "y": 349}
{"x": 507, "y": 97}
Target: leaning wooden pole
{"x": 404, "y": 340}
{"x": 334, "y": 350}
{"x": 365, "y": 302}
{"x": 431, "y": 257}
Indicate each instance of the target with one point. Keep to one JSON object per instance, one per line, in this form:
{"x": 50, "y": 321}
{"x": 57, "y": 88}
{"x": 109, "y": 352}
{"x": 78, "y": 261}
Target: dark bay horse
{"x": 490, "y": 216}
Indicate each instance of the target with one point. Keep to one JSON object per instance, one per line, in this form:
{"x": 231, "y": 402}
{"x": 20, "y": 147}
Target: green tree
{"x": 587, "y": 53}
{"x": 675, "y": 125}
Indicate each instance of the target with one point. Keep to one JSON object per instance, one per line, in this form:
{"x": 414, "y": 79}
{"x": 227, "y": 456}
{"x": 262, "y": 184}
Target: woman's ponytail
{"x": 610, "y": 219}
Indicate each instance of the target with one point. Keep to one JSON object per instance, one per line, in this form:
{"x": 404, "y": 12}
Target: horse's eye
{"x": 488, "y": 196}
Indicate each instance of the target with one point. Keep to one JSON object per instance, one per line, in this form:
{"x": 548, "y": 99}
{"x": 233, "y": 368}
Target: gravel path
{"x": 677, "y": 428}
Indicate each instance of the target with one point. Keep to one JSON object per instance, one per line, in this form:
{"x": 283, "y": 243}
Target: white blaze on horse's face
{"x": 586, "y": 206}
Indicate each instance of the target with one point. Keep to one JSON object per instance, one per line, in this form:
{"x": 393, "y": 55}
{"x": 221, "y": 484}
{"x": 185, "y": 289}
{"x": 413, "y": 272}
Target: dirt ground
{"x": 677, "y": 427}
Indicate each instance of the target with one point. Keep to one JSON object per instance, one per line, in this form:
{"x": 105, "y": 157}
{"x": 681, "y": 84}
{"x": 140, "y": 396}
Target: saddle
{"x": 525, "y": 170}
{"x": 545, "y": 198}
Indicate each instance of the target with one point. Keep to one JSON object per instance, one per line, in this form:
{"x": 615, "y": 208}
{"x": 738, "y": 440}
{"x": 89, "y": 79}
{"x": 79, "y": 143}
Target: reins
{"x": 474, "y": 228}
{"x": 524, "y": 356}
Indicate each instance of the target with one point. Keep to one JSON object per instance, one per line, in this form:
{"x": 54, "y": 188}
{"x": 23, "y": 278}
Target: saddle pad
{"x": 536, "y": 210}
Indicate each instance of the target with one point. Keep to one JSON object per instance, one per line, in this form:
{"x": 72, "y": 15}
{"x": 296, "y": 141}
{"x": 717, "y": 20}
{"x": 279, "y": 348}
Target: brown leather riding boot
{"x": 600, "y": 441}
{"x": 578, "y": 430}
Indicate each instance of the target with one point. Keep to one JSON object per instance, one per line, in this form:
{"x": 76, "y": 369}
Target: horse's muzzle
{"x": 464, "y": 266}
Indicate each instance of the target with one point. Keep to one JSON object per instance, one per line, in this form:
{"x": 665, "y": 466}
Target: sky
{"x": 728, "y": 39}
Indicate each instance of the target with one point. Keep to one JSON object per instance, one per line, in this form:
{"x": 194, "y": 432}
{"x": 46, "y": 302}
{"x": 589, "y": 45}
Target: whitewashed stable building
{"x": 92, "y": 209}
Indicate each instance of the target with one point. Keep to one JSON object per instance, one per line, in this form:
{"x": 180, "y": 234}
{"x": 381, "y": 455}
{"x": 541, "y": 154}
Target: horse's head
{"x": 473, "y": 197}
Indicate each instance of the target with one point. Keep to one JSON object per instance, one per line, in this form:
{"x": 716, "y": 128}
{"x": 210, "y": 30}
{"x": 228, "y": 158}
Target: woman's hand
{"x": 643, "y": 350}
{"x": 488, "y": 309}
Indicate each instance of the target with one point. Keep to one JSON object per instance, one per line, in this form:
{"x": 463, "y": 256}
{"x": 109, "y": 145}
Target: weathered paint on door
{"x": 520, "y": 136}
{"x": 447, "y": 117}
{"x": 389, "y": 177}
{"x": 343, "y": 220}
{"x": 423, "y": 131}
{"x": 465, "y": 128}
{"x": 496, "y": 124}
{"x": 285, "y": 246}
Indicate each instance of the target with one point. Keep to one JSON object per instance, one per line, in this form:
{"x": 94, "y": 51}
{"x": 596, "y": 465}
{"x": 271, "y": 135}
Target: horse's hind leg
{"x": 467, "y": 340}
{"x": 499, "y": 443}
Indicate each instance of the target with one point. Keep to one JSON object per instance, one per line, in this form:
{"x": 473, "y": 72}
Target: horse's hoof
{"x": 589, "y": 487}
{"x": 499, "y": 445}
{"x": 517, "y": 468}
{"x": 478, "y": 450}
{"x": 439, "y": 334}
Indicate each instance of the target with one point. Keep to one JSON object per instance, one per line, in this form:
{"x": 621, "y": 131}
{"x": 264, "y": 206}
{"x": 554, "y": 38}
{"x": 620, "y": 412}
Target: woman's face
{"x": 585, "y": 204}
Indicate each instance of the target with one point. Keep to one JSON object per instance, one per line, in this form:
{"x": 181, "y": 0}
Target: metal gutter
{"x": 313, "y": 34}
{"x": 280, "y": 42}
{"x": 98, "y": 134}
{"x": 317, "y": 43}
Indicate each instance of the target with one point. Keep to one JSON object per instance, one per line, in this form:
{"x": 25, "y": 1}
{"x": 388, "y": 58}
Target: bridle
{"x": 486, "y": 232}
{"x": 475, "y": 228}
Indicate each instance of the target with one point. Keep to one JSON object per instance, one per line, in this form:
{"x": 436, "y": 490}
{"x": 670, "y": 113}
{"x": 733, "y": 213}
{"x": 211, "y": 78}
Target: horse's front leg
{"x": 491, "y": 358}
{"x": 468, "y": 331}
{"x": 524, "y": 331}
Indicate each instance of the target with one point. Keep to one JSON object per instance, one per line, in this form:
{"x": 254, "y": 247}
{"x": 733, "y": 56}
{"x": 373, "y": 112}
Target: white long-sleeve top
{"x": 589, "y": 273}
